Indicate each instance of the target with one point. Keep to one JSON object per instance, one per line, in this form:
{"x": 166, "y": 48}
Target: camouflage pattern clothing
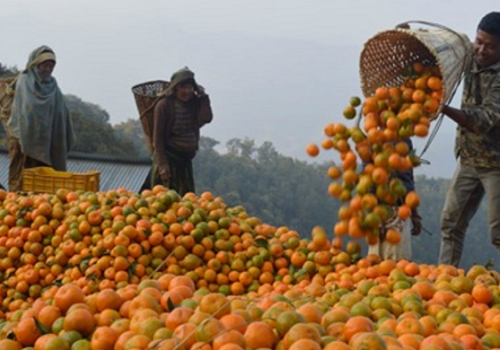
{"x": 479, "y": 146}
{"x": 478, "y": 172}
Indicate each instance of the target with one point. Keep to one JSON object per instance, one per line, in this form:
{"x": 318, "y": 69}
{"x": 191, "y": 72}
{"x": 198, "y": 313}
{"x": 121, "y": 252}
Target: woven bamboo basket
{"x": 146, "y": 96}
{"x": 6, "y": 99}
{"x": 386, "y": 57}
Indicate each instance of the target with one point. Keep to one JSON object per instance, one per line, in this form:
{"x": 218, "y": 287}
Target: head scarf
{"x": 184, "y": 75}
{"x": 40, "y": 119}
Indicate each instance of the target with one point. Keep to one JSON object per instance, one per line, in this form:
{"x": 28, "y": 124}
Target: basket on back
{"x": 146, "y": 96}
{"x": 386, "y": 57}
{"x": 6, "y": 99}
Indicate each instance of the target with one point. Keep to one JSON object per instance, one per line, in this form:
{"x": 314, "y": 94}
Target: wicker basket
{"x": 6, "y": 99}
{"x": 386, "y": 57}
{"x": 146, "y": 96}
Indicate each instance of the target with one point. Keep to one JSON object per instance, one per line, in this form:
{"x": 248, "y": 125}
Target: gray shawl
{"x": 40, "y": 119}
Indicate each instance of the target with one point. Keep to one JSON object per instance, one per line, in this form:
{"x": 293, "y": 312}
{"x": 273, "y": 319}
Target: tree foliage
{"x": 94, "y": 134}
{"x": 132, "y": 130}
{"x": 7, "y": 72}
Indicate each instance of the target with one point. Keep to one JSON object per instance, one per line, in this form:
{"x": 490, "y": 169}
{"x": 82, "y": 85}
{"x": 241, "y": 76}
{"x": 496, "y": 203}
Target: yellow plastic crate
{"x": 48, "y": 180}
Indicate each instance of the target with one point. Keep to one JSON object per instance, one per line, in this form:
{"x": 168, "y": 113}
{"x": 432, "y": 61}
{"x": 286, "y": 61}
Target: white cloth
{"x": 395, "y": 251}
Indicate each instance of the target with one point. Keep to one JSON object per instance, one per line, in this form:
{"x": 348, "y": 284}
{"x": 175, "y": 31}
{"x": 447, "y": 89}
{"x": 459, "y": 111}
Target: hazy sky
{"x": 275, "y": 70}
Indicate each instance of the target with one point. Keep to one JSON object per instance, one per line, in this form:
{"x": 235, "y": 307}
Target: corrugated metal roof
{"x": 113, "y": 175}
{"x": 115, "y": 172}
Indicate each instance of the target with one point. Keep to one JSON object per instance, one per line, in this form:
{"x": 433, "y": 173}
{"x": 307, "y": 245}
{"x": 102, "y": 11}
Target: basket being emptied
{"x": 386, "y": 57}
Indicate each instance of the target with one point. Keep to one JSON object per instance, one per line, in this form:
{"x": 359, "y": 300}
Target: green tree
{"x": 7, "y": 72}
{"x": 91, "y": 122}
{"x": 132, "y": 130}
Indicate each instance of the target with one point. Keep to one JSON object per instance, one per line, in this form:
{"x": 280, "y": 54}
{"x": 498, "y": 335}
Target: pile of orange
{"x": 375, "y": 150}
{"x": 124, "y": 271}
{"x": 373, "y": 304}
{"x": 156, "y": 271}
{"x": 110, "y": 240}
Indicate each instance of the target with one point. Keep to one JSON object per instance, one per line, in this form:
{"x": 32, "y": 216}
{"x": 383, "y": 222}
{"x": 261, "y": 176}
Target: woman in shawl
{"x": 177, "y": 121}
{"x": 39, "y": 129}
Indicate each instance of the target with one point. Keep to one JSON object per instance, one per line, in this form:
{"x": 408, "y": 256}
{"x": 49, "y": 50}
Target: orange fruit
{"x": 230, "y": 347}
{"x": 8, "y": 344}
{"x": 104, "y": 338}
{"x": 234, "y": 321}
{"x": 393, "y": 236}
{"x": 305, "y": 344}
{"x": 178, "y": 316}
{"x": 472, "y": 341}
{"x": 349, "y": 112}
{"x": 419, "y": 96}
{"x": 368, "y": 340}
{"x": 409, "y": 325}
{"x": 186, "y": 333}
{"x": 80, "y": 320}
{"x": 229, "y": 337}
{"x": 421, "y": 130}
{"x": 208, "y": 329}
{"x": 311, "y": 313}
{"x": 357, "y": 324}
{"x": 334, "y": 172}
{"x": 259, "y": 335}
{"x": 48, "y": 315}
{"x": 300, "y": 331}
{"x": 434, "y": 83}
{"x": 482, "y": 294}
{"x": 68, "y": 295}
{"x": 312, "y": 150}
{"x": 27, "y": 332}
{"x": 215, "y": 304}
{"x": 337, "y": 345}
{"x": 412, "y": 199}
{"x": 108, "y": 299}
{"x": 404, "y": 212}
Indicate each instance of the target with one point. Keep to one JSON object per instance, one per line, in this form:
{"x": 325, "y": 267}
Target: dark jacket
{"x": 199, "y": 110}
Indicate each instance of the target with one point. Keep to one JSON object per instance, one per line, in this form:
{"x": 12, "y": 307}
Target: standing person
{"x": 477, "y": 145}
{"x": 176, "y": 133}
{"x": 39, "y": 130}
{"x": 406, "y": 228}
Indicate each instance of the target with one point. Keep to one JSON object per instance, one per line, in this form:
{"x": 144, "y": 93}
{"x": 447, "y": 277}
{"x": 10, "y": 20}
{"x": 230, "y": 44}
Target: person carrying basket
{"x": 178, "y": 118}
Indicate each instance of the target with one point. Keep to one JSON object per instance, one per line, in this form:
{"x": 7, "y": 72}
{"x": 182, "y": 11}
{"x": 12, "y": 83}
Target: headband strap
{"x": 46, "y": 56}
